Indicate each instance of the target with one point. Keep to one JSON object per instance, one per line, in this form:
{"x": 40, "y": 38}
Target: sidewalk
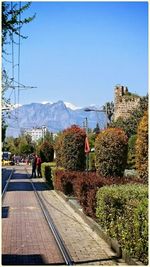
{"x": 84, "y": 244}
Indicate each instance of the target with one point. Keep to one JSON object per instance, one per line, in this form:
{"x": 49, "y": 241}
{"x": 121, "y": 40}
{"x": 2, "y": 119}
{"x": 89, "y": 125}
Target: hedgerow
{"x": 84, "y": 186}
{"x": 122, "y": 211}
{"x": 46, "y": 172}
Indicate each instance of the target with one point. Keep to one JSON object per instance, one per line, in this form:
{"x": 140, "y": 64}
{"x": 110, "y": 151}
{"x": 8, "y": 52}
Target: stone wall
{"x": 124, "y": 102}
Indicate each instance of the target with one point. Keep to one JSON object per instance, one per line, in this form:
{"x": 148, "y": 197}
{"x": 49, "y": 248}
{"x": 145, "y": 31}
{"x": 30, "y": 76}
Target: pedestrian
{"x": 38, "y": 164}
{"x": 33, "y": 163}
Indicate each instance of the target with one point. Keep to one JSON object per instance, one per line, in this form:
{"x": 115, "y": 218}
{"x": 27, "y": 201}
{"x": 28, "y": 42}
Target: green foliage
{"x": 22, "y": 145}
{"x": 123, "y": 213}
{"x": 142, "y": 148}
{"x": 59, "y": 149}
{"x": 96, "y": 130}
{"x": 46, "y": 152}
{"x": 70, "y": 149}
{"x": 12, "y": 21}
{"x": 91, "y": 139}
{"x": 92, "y": 161}
{"x": 109, "y": 110}
{"x": 111, "y": 152}
{"x": 46, "y": 173}
{"x": 131, "y": 152}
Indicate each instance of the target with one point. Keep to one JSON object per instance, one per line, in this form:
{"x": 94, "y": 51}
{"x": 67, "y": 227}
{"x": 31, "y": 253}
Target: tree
{"x": 96, "y": 129}
{"x": 46, "y": 152}
{"x": 11, "y": 20}
{"x": 11, "y": 24}
{"x": 141, "y": 155}
{"x": 109, "y": 110}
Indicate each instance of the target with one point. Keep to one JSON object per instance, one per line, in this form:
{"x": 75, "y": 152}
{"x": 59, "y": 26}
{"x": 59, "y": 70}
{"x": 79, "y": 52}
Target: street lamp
{"x": 96, "y": 110}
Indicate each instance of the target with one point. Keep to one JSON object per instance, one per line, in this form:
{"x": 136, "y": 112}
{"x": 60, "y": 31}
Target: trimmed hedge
{"x": 70, "y": 149}
{"x": 84, "y": 186}
{"x": 46, "y": 172}
{"x": 122, "y": 210}
{"x": 111, "y": 152}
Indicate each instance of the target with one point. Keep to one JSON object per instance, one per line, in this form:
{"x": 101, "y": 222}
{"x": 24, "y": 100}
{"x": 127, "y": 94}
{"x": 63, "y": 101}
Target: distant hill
{"x": 56, "y": 116}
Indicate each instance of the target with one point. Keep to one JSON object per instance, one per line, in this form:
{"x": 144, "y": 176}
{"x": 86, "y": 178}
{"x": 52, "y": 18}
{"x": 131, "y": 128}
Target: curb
{"x": 113, "y": 243}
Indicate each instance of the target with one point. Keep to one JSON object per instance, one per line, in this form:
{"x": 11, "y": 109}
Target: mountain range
{"x": 55, "y": 116}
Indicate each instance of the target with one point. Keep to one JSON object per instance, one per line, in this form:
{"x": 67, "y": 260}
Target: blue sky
{"x": 78, "y": 51}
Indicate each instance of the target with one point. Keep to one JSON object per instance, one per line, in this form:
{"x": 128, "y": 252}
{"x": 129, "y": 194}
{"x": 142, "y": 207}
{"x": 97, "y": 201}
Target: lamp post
{"x": 96, "y": 110}
{"x": 87, "y": 148}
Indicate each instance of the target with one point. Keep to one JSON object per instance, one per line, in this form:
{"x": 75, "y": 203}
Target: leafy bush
{"x": 64, "y": 180}
{"x": 46, "y": 172}
{"x": 92, "y": 161}
{"x": 111, "y": 152}
{"x": 131, "y": 152}
{"x": 122, "y": 210}
{"x": 72, "y": 154}
{"x": 46, "y": 152}
{"x": 84, "y": 186}
{"x": 142, "y": 148}
{"x": 59, "y": 149}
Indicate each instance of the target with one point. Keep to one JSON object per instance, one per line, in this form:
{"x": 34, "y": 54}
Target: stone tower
{"x": 124, "y": 102}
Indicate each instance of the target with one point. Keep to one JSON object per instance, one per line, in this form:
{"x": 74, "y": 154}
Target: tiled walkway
{"x": 26, "y": 236}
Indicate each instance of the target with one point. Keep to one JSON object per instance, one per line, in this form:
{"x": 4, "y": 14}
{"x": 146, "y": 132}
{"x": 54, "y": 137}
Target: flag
{"x": 87, "y": 146}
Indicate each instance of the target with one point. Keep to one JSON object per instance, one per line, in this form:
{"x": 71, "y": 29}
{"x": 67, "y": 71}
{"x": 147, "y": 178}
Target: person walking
{"x": 33, "y": 163}
{"x": 38, "y": 164}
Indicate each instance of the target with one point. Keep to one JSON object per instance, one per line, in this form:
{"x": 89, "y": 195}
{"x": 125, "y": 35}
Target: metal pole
{"x": 87, "y": 154}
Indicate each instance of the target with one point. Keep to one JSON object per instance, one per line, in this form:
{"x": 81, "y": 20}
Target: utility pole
{"x": 87, "y": 153}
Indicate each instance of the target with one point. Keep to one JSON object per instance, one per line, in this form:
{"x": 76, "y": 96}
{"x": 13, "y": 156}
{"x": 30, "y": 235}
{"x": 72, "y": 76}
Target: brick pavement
{"x": 26, "y": 238}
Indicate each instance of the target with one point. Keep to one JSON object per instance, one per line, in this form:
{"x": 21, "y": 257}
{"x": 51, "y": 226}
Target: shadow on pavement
{"x": 26, "y": 186}
{"x": 5, "y": 212}
{"x": 14, "y": 259}
{"x": 35, "y": 259}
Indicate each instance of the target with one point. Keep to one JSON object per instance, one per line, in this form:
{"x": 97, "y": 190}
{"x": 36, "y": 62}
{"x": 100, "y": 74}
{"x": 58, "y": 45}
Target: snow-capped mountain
{"x": 56, "y": 116}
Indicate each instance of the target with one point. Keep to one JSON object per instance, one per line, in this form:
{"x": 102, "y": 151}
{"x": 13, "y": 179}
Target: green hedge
{"x": 122, "y": 211}
{"x": 46, "y": 172}
{"x": 92, "y": 161}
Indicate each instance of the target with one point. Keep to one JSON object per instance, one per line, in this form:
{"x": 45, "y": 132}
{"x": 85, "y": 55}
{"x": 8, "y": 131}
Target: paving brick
{"x": 23, "y": 228}
{"x": 27, "y": 239}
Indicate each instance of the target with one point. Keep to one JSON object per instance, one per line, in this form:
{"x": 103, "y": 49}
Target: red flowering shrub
{"x": 84, "y": 186}
{"x": 111, "y": 152}
{"x": 64, "y": 181}
{"x": 70, "y": 149}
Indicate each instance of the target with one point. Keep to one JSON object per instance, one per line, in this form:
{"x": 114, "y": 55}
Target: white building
{"x": 36, "y": 132}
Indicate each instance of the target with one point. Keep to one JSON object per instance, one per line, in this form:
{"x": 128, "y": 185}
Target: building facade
{"x": 124, "y": 102}
{"x": 36, "y": 133}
